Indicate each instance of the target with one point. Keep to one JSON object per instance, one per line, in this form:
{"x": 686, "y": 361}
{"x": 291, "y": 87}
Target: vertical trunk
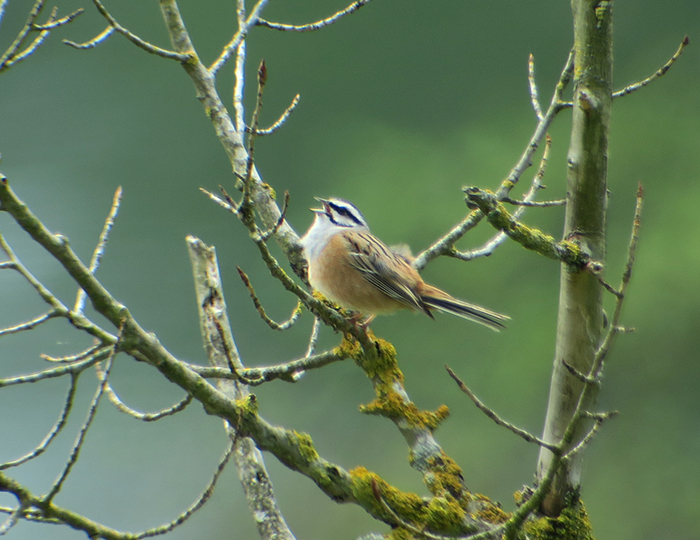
{"x": 581, "y": 318}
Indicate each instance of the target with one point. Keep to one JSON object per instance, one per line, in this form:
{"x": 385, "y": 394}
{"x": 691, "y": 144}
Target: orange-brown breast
{"x": 335, "y": 277}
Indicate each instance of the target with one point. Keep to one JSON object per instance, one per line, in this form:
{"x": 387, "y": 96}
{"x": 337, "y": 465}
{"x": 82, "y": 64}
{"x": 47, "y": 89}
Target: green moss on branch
{"x": 533, "y": 239}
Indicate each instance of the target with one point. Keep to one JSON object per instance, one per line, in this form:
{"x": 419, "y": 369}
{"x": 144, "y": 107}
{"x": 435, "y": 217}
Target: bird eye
{"x": 339, "y": 209}
{"x": 344, "y": 212}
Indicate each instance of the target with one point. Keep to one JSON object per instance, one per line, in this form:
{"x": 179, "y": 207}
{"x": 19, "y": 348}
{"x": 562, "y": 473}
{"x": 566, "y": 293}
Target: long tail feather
{"x": 491, "y": 319}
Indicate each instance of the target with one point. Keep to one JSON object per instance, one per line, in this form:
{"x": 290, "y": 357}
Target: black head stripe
{"x": 343, "y": 211}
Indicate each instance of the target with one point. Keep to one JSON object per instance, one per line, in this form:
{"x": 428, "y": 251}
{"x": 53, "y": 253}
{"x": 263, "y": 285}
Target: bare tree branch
{"x": 315, "y": 25}
{"x": 280, "y": 121}
{"x": 614, "y": 329}
{"x": 261, "y": 310}
{"x": 258, "y": 375}
{"x": 145, "y": 417}
{"x": 73, "y": 357}
{"x": 94, "y": 42}
{"x": 658, "y": 73}
{"x": 237, "y": 39}
{"x": 58, "y": 308}
{"x": 445, "y": 245}
{"x": 136, "y": 40}
{"x": 74, "y": 369}
{"x": 12, "y": 54}
{"x": 534, "y": 97}
{"x": 100, "y": 248}
{"x": 493, "y": 416}
{"x": 29, "y": 325}
{"x": 218, "y": 341}
{"x": 77, "y": 447}
{"x": 489, "y": 247}
{"x": 313, "y": 338}
{"x": 60, "y": 423}
{"x": 197, "y": 505}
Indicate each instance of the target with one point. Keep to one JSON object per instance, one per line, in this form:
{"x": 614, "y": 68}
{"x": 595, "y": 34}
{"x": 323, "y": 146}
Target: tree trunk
{"x": 581, "y": 319}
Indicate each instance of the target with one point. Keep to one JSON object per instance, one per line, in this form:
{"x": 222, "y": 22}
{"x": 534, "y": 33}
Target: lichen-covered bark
{"x": 221, "y": 349}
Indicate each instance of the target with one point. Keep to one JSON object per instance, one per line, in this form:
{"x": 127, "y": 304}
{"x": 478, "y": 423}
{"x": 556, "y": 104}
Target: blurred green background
{"x": 401, "y": 104}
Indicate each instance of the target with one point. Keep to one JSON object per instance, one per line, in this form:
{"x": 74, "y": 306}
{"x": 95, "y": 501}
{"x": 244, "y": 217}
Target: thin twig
{"x": 45, "y": 294}
{"x": 94, "y": 42}
{"x": 533, "y": 87}
{"x": 232, "y": 356}
{"x": 77, "y": 447}
{"x": 239, "y": 70}
{"x": 266, "y": 235}
{"x": 3, "y": 4}
{"x": 659, "y": 73}
{"x": 148, "y": 417}
{"x": 314, "y": 25}
{"x": 76, "y": 319}
{"x": 261, "y": 310}
{"x": 245, "y": 208}
{"x": 34, "y": 45}
{"x": 580, "y": 376}
{"x": 602, "y": 351}
{"x": 145, "y": 417}
{"x": 139, "y": 42}
{"x": 493, "y": 416}
{"x": 239, "y": 36}
{"x": 445, "y": 245}
{"x": 31, "y": 48}
{"x": 199, "y": 503}
{"x": 55, "y": 23}
{"x": 313, "y": 338}
{"x": 7, "y": 59}
{"x": 280, "y": 121}
{"x": 540, "y": 204}
{"x": 286, "y": 371}
{"x": 53, "y": 373}
{"x": 60, "y": 423}
{"x": 31, "y": 514}
{"x": 13, "y": 519}
{"x": 489, "y": 247}
{"x": 29, "y": 324}
{"x": 598, "y": 418}
{"x": 227, "y": 204}
{"x": 100, "y": 248}
{"x": 73, "y": 357}
{"x": 602, "y": 416}
{"x": 612, "y": 290}
{"x": 540, "y": 133}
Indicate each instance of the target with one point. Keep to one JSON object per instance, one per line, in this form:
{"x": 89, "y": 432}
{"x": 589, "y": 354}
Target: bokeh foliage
{"x": 401, "y": 104}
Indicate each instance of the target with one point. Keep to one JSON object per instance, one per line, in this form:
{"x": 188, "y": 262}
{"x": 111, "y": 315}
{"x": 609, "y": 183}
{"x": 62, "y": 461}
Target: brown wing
{"x": 384, "y": 269}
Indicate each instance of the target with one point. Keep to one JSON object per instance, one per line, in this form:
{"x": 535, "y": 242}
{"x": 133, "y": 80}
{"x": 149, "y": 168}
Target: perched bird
{"x": 352, "y": 267}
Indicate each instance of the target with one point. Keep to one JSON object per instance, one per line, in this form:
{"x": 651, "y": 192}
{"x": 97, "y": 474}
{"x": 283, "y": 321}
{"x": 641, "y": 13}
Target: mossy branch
{"x": 296, "y": 450}
{"x": 564, "y": 251}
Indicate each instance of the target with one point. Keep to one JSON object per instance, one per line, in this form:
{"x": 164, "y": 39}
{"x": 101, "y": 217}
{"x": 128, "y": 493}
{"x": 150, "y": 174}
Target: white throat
{"x": 320, "y": 232}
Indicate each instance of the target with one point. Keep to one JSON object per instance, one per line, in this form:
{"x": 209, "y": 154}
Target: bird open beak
{"x": 323, "y": 210}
